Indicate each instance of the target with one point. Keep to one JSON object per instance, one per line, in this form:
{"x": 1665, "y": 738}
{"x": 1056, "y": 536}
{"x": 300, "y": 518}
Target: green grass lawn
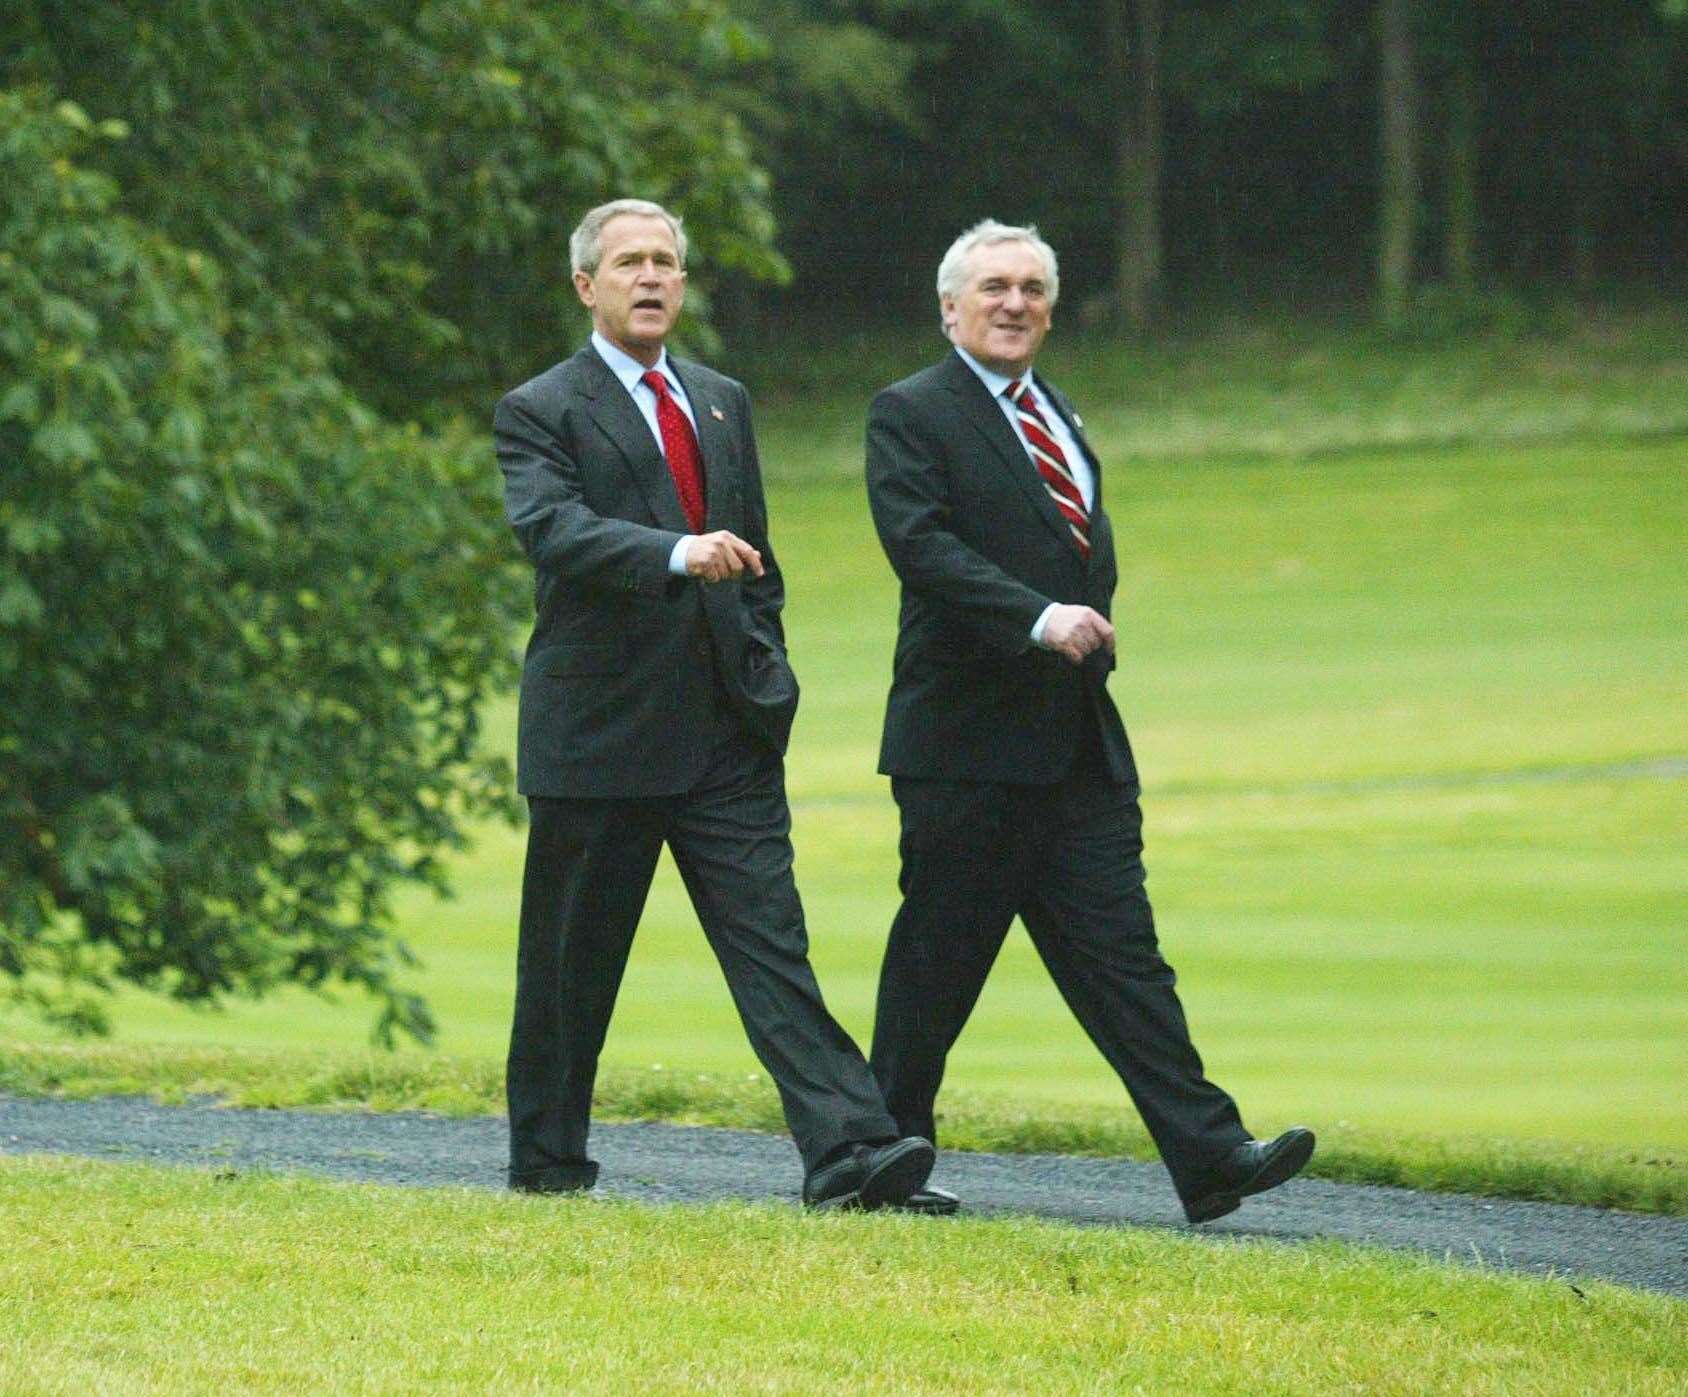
{"x": 131, "y": 1279}
{"x": 1409, "y": 715}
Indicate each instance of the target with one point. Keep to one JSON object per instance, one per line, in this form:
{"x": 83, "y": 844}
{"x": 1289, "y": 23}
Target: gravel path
{"x": 682, "y": 1164}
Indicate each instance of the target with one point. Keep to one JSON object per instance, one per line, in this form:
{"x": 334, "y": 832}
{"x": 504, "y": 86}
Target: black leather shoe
{"x": 871, "y": 1176}
{"x": 1253, "y": 1167}
{"x": 556, "y": 1178}
{"x": 932, "y": 1202}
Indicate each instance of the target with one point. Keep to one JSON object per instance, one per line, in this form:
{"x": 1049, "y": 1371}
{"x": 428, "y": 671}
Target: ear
{"x": 947, "y": 312}
{"x": 583, "y": 288}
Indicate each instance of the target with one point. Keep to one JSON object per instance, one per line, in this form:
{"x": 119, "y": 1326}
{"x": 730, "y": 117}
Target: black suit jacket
{"x": 981, "y": 550}
{"x": 628, "y": 664}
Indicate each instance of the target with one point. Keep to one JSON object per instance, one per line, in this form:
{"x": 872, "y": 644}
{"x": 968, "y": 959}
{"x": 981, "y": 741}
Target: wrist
{"x": 1040, "y": 625}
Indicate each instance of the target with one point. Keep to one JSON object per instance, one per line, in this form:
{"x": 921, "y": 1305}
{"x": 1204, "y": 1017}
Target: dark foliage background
{"x": 1270, "y": 180}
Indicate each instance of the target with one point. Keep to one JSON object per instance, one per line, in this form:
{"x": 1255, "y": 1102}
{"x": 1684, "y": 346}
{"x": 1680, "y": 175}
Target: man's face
{"x": 636, "y": 293}
{"x": 1002, "y": 313}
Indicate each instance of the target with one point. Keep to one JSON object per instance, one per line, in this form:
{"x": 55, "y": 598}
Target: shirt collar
{"x": 989, "y": 377}
{"x": 628, "y": 369}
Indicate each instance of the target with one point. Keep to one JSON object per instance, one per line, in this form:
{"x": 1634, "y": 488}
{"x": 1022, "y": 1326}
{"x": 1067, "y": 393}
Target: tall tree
{"x": 1461, "y": 125}
{"x": 1398, "y": 153}
{"x": 1133, "y": 47}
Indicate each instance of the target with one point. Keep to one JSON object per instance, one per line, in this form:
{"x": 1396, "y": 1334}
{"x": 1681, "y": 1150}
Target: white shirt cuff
{"x": 677, "y": 559}
{"x": 1041, "y": 622}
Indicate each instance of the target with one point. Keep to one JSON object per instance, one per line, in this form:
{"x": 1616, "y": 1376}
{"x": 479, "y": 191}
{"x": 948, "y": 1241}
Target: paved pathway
{"x": 671, "y": 1164}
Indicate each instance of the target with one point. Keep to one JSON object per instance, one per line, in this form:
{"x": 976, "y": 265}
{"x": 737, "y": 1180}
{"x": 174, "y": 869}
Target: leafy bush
{"x": 245, "y": 624}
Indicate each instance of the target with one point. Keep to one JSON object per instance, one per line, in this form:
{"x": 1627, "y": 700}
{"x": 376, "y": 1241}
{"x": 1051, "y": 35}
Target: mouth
{"x": 648, "y": 303}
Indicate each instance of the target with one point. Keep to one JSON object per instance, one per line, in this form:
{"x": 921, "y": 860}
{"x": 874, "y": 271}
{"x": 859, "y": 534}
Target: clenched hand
{"x": 716, "y": 557}
{"x": 1075, "y": 631}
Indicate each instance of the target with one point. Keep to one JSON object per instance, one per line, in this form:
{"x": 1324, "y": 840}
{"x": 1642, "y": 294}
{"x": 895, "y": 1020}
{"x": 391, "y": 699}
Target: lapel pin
{"x": 716, "y": 413}
{"x": 1078, "y": 422}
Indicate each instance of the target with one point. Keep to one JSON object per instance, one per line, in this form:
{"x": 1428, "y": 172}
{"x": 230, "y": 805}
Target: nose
{"x": 1014, "y": 300}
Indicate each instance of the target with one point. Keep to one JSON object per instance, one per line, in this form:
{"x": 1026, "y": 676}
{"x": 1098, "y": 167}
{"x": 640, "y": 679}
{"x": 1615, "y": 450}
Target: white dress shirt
{"x": 1078, "y": 464}
{"x": 631, "y": 374}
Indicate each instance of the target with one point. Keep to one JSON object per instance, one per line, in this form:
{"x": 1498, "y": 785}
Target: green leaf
{"x": 20, "y": 604}
{"x": 73, "y": 116}
{"x": 21, "y": 402}
{"x": 62, "y": 441}
{"x": 27, "y": 534}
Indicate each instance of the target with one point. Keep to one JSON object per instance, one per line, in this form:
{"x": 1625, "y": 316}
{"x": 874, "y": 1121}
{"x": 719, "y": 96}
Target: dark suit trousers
{"x": 589, "y": 867}
{"x": 1067, "y": 858}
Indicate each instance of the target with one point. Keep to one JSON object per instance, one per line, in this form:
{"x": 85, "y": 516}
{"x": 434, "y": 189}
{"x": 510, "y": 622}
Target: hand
{"x": 1074, "y": 631}
{"x": 716, "y": 557}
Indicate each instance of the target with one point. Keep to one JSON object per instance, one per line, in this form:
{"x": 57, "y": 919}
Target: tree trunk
{"x": 1398, "y": 112}
{"x": 1132, "y": 33}
{"x": 1460, "y": 169}
{"x": 1584, "y": 261}
{"x": 1587, "y": 168}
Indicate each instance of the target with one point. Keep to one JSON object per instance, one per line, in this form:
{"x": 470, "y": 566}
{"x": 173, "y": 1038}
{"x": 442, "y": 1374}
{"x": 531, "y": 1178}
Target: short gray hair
{"x": 952, "y": 271}
{"x": 586, "y": 243}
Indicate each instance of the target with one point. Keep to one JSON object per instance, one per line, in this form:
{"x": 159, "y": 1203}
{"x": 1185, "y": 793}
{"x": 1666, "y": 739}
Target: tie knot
{"x": 1016, "y": 390}
{"x": 653, "y": 379}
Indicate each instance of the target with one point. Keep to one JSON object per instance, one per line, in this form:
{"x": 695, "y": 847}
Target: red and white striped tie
{"x": 1051, "y": 463}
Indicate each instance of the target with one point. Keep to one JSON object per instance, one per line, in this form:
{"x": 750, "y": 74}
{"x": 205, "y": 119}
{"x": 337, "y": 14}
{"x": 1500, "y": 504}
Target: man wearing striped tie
{"x": 1008, "y": 761}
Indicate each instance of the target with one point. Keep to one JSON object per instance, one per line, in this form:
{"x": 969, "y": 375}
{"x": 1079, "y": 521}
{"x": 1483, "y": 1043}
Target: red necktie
{"x": 1051, "y": 464}
{"x": 679, "y": 444}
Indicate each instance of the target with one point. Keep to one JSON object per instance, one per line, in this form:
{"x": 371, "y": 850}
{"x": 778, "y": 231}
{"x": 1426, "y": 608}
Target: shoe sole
{"x": 562, "y": 1180}
{"x": 900, "y": 1174}
{"x": 1283, "y": 1167}
{"x": 843, "y": 1203}
{"x": 935, "y": 1204}
{"x": 1215, "y": 1205}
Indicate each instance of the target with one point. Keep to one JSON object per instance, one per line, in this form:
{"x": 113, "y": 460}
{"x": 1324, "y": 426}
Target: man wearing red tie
{"x": 1008, "y": 761}
{"x": 655, "y": 703}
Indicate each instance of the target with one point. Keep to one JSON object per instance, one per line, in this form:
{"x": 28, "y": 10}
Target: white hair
{"x": 586, "y": 243}
{"x": 952, "y": 271}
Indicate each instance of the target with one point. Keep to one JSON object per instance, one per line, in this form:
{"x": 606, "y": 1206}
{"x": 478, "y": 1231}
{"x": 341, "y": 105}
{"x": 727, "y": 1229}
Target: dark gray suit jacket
{"x": 981, "y": 550}
{"x": 628, "y": 664}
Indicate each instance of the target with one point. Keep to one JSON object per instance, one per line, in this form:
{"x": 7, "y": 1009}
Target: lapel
{"x": 713, "y": 439}
{"x": 611, "y": 406}
{"x": 983, "y": 414}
